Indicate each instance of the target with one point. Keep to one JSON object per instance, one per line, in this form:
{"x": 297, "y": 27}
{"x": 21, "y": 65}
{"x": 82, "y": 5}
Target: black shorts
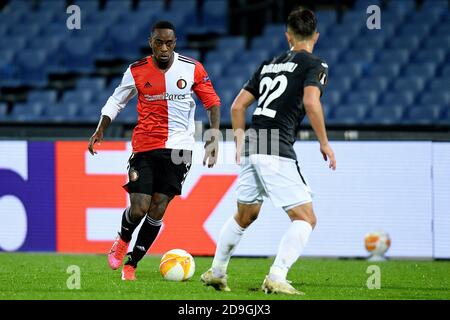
{"x": 158, "y": 171}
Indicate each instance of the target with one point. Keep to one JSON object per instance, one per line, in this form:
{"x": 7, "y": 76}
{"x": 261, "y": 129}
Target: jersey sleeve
{"x": 203, "y": 87}
{"x": 252, "y": 85}
{"x": 317, "y": 75}
{"x": 121, "y": 96}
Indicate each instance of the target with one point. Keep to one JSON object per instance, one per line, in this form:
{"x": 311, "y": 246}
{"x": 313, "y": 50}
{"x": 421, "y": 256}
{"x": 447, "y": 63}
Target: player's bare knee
{"x": 140, "y": 204}
{"x": 159, "y": 205}
{"x": 247, "y": 214}
{"x": 305, "y": 213}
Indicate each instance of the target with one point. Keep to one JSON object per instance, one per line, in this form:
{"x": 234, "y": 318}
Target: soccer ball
{"x": 177, "y": 265}
{"x": 377, "y": 243}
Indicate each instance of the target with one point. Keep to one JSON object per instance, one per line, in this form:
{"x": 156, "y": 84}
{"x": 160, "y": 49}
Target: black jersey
{"x": 278, "y": 87}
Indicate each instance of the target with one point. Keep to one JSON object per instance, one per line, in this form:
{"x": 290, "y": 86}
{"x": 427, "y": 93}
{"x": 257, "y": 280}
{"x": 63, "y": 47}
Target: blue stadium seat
{"x": 80, "y": 97}
{"x": 27, "y": 31}
{"x": 32, "y": 66}
{"x": 45, "y": 43}
{"x": 352, "y": 114}
{"x": 43, "y": 97}
{"x": 357, "y": 18}
{"x": 151, "y": 6}
{"x": 19, "y": 6}
{"x": 89, "y": 113}
{"x": 3, "y": 110}
{"x": 271, "y": 44}
{"x": 390, "y": 56}
{"x": 442, "y": 29}
{"x": 441, "y": 98}
{"x": 331, "y": 56}
{"x": 63, "y": 112}
{"x": 352, "y": 70}
{"x": 439, "y": 84}
{"x": 390, "y": 70}
{"x": 337, "y": 42}
{"x": 93, "y": 84}
{"x": 245, "y": 70}
{"x": 118, "y": 5}
{"x": 350, "y": 30}
{"x": 214, "y": 70}
{"x": 444, "y": 71}
{"x": 419, "y": 30}
{"x": 445, "y": 118}
{"x": 378, "y": 84}
{"x": 236, "y": 42}
{"x": 27, "y": 112}
{"x": 385, "y": 116}
{"x": 339, "y": 83}
{"x": 438, "y": 41}
{"x": 188, "y": 6}
{"x": 423, "y": 114}
{"x": 325, "y": 18}
{"x": 233, "y": 84}
{"x": 78, "y": 53}
{"x": 363, "y": 4}
{"x": 369, "y": 98}
{"x": 408, "y": 42}
{"x": 16, "y": 44}
{"x": 253, "y": 56}
{"x": 368, "y": 42}
{"x": 191, "y": 53}
{"x": 408, "y": 83}
{"x": 331, "y": 98}
{"x": 402, "y": 98}
{"x": 214, "y": 7}
{"x": 224, "y": 56}
{"x": 426, "y": 55}
{"x": 88, "y": 5}
{"x": 361, "y": 55}
{"x": 401, "y": 7}
{"x": 425, "y": 70}
{"x": 51, "y": 5}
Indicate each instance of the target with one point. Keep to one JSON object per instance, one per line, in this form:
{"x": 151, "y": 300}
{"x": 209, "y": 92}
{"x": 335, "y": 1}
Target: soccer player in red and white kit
{"x": 162, "y": 139}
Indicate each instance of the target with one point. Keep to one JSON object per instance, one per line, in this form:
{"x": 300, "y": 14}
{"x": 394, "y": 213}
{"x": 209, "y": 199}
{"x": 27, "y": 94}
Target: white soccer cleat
{"x": 218, "y": 283}
{"x": 272, "y": 286}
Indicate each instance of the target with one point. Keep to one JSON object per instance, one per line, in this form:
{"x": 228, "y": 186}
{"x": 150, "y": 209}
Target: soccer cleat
{"x": 117, "y": 253}
{"x": 128, "y": 273}
{"x": 218, "y": 283}
{"x": 272, "y": 286}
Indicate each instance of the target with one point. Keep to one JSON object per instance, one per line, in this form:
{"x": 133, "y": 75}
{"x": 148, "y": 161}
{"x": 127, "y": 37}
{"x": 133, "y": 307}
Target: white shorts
{"x": 275, "y": 177}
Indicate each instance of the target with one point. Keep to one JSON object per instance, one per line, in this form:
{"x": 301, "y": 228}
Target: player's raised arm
{"x": 116, "y": 102}
{"x": 238, "y": 109}
{"x": 313, "y": 108}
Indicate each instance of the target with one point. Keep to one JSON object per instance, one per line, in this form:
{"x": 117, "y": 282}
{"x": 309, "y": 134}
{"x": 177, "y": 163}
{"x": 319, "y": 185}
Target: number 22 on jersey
{"x": 268, "y": 94}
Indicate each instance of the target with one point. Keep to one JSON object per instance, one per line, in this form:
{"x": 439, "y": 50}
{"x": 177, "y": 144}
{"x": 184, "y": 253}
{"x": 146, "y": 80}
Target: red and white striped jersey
{"x": 165, "y": 105}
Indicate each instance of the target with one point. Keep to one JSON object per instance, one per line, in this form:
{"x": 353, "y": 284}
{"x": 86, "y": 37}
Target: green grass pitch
{"x": 44, "y": 276}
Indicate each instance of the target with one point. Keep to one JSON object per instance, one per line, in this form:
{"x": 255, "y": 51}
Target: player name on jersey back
{"x": 279, "y": 67}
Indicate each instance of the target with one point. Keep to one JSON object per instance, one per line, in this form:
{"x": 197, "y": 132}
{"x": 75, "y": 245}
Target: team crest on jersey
{"x": 181, "y": 84}
{"x": 133, "y": 175}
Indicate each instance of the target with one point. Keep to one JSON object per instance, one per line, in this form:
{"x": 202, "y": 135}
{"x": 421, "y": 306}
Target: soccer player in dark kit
{"x": 287, "y": 88}
{"x": 164, "y": 134}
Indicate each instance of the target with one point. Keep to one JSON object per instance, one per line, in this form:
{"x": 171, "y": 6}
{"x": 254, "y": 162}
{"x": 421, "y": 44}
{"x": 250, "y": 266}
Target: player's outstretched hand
{"x": 211, "y": 152}
{"x": 328, "y": 153}
{"x": 97, "y": 137}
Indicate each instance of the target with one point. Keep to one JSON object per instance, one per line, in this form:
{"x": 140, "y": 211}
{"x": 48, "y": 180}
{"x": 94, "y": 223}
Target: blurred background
{"x": 389, "y": 85}
{"x": 393, "y": 80}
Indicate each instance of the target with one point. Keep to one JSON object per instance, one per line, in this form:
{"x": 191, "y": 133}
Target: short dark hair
{"x": 163, "y": 24}
{"x": 302, "y": 22}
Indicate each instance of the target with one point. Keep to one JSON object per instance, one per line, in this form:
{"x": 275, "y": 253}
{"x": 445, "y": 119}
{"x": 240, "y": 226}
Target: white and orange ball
{"x": 377, "y": 243}
{"x": 177, "y": 265}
